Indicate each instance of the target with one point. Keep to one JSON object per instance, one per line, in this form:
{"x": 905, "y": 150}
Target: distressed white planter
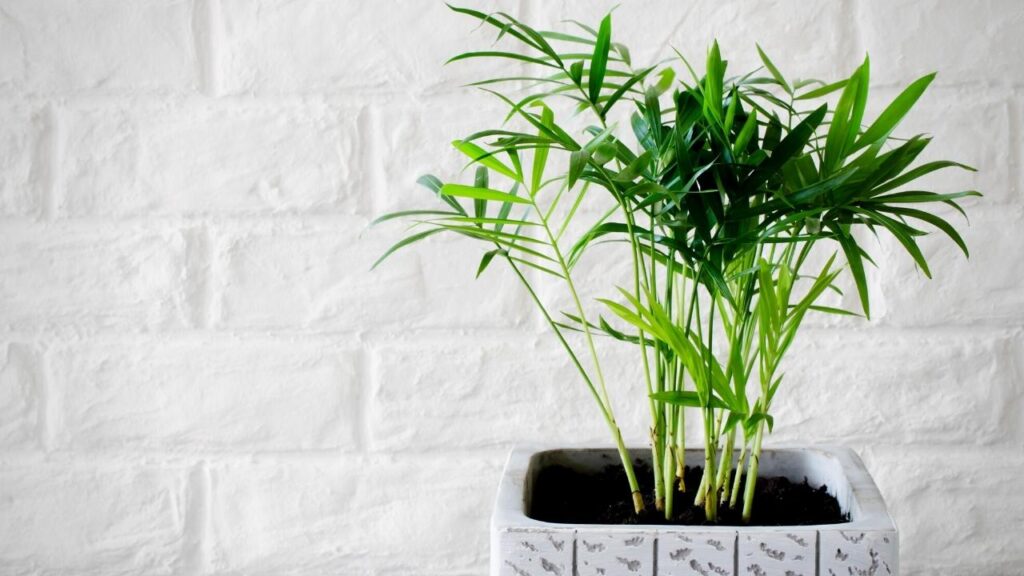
{"x": 867, "y": 545}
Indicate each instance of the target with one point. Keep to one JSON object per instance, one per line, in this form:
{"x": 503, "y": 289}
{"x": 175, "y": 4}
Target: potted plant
{"x": 738, "y": 200}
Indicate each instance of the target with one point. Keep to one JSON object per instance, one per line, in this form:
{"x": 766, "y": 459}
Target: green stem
{"x": 670, "y": 491}
{"x": 726, "y": 466}
{"x": 627, "y": 461}
{"x": 698, "y": 500}
{"x": 755, "y": 458}
{"x": 737, "y": 476}
{"x": 681, "y": 449}
{"x": 710, "y": 491}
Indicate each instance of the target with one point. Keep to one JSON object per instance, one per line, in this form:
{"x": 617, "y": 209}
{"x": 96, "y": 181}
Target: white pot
{"x": 867, "y": 545}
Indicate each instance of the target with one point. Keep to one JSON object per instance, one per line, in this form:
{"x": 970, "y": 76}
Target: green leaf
{"x": 823, "y": 91}
{"x": 790, "y": 146}
{"x": 488, "y": 256}
{"x": 853, "y": 256}
{"x": 504, "y": 211}
{"x": 553, "y": 131}
{"x": 773, "y": 70}
{"x": 894, "y": 113}
{"x": 566, "y": 37}
{"x": 599, "y": 62}
{"x": 757, "y": 417}
{"x": 434, "y": 184}
{"x": 639, "y": 76}
{"x": 623, "y": 51}
{"x": 832, "y": 310}
{"x": 480, "y": 193}
{"x": 577, "y": 162}
{"x": 904, "y": 234}
{"x": 498, "y": 54}
{"x": 932, "y": 219}
{"x": 405, "y": 213}
{"x": 481, "y": 181}
{"x": 540, "y": 155}
{"x": 846, "y": 119}
{"x": 747, "y": 132}
{"x": 538, "y": 267}
{"x": 859, "y": 104}
{"x": 481, "y": 156}
{"x": 687, "y": 398}
{"x": 713, "y": 80}
{"x": 455, "y": 219}
{"x": 576, "y": 72}
{"x": 665, "y": 79}
{"x": 918, "y": 172}
{"x": 572, "y": 210}
{"x": 412, "y": 239}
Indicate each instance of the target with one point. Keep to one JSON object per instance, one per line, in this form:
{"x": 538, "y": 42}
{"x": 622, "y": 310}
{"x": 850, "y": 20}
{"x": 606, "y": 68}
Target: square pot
{"x": 867, "y": 545}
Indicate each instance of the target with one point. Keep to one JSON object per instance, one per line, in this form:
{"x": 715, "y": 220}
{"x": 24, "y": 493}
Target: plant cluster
{"x": 737, "y": 198}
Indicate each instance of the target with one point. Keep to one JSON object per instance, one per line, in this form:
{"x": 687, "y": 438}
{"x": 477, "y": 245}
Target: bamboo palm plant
{"x": 725, "y": 191}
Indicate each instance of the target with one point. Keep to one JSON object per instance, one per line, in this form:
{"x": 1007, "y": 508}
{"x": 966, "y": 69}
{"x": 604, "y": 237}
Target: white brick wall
{"x": 199, "y": 376}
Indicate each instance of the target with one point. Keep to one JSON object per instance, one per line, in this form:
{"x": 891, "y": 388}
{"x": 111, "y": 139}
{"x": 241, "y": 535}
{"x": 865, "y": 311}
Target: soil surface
{"x": 564, "y": 495}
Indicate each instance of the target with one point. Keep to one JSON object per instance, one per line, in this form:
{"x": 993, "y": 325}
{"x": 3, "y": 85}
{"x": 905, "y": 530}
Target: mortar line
{"x": 371, "y": 177}
{"x": 50, "y": 158}
{"x": 207, "y": 38}
{"x": 195, "y": 306}
{"x": 197, "y": 523}
{"x": 1013, "y": 103}
{"x": 49, "y": 405}
{"x": 368, "y": 375}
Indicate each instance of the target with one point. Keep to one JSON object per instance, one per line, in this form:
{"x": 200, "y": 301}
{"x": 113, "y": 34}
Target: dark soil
{"x": 564, "y": 495}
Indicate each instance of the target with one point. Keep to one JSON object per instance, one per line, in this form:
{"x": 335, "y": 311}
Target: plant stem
{"x": 681, "y": 449}
{"x": 726, "y": 466}
{"x": 698, "y": 500}
{"x": 638, "y": 268}
{"x": 710, "y": 490}
{"x": 737, "y": 476}
{"x": 755, "y": 457}
{"x": 627, "y": 461}
{"x": 670, "y": 491}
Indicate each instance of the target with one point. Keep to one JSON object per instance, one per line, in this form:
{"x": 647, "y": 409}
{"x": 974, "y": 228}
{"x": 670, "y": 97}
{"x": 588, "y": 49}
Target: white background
{"x": 198, "y": 374}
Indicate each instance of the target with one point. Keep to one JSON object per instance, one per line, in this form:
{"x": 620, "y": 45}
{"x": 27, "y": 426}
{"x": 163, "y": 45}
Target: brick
{"x": 104, "y": 46}
{"x": 90, "y": 519}
{"x": 21, "y": 397}
{"x": 263, "y": 55}
{"x": 320, "y": 516}
{"x": 183, "y": 395}
{"x": 911, "y": 38}
{"x": 952, "y": 507}
{"x": 955, "y": 296}
{"x": 203, "y": 158}
{"x": 472, "y": 392}
{"x": 21, "y": 129}
{"x": 904, "y": 388}
{"x": 317, "y": 276}
{"x": 73, "y": 277}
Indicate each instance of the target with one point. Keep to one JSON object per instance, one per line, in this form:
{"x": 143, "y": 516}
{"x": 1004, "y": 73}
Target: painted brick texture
{"x": 200, "y": 376}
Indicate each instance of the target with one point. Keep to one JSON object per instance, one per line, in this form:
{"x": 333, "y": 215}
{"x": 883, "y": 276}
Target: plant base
{"x": 867, "y": 544}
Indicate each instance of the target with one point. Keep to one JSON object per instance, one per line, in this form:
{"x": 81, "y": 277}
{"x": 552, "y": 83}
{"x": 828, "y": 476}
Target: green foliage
{"x": 725, "y": 189}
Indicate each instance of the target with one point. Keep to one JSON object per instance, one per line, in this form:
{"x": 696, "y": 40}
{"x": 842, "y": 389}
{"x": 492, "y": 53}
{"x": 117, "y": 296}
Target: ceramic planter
{"x": 867, "y": 545}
